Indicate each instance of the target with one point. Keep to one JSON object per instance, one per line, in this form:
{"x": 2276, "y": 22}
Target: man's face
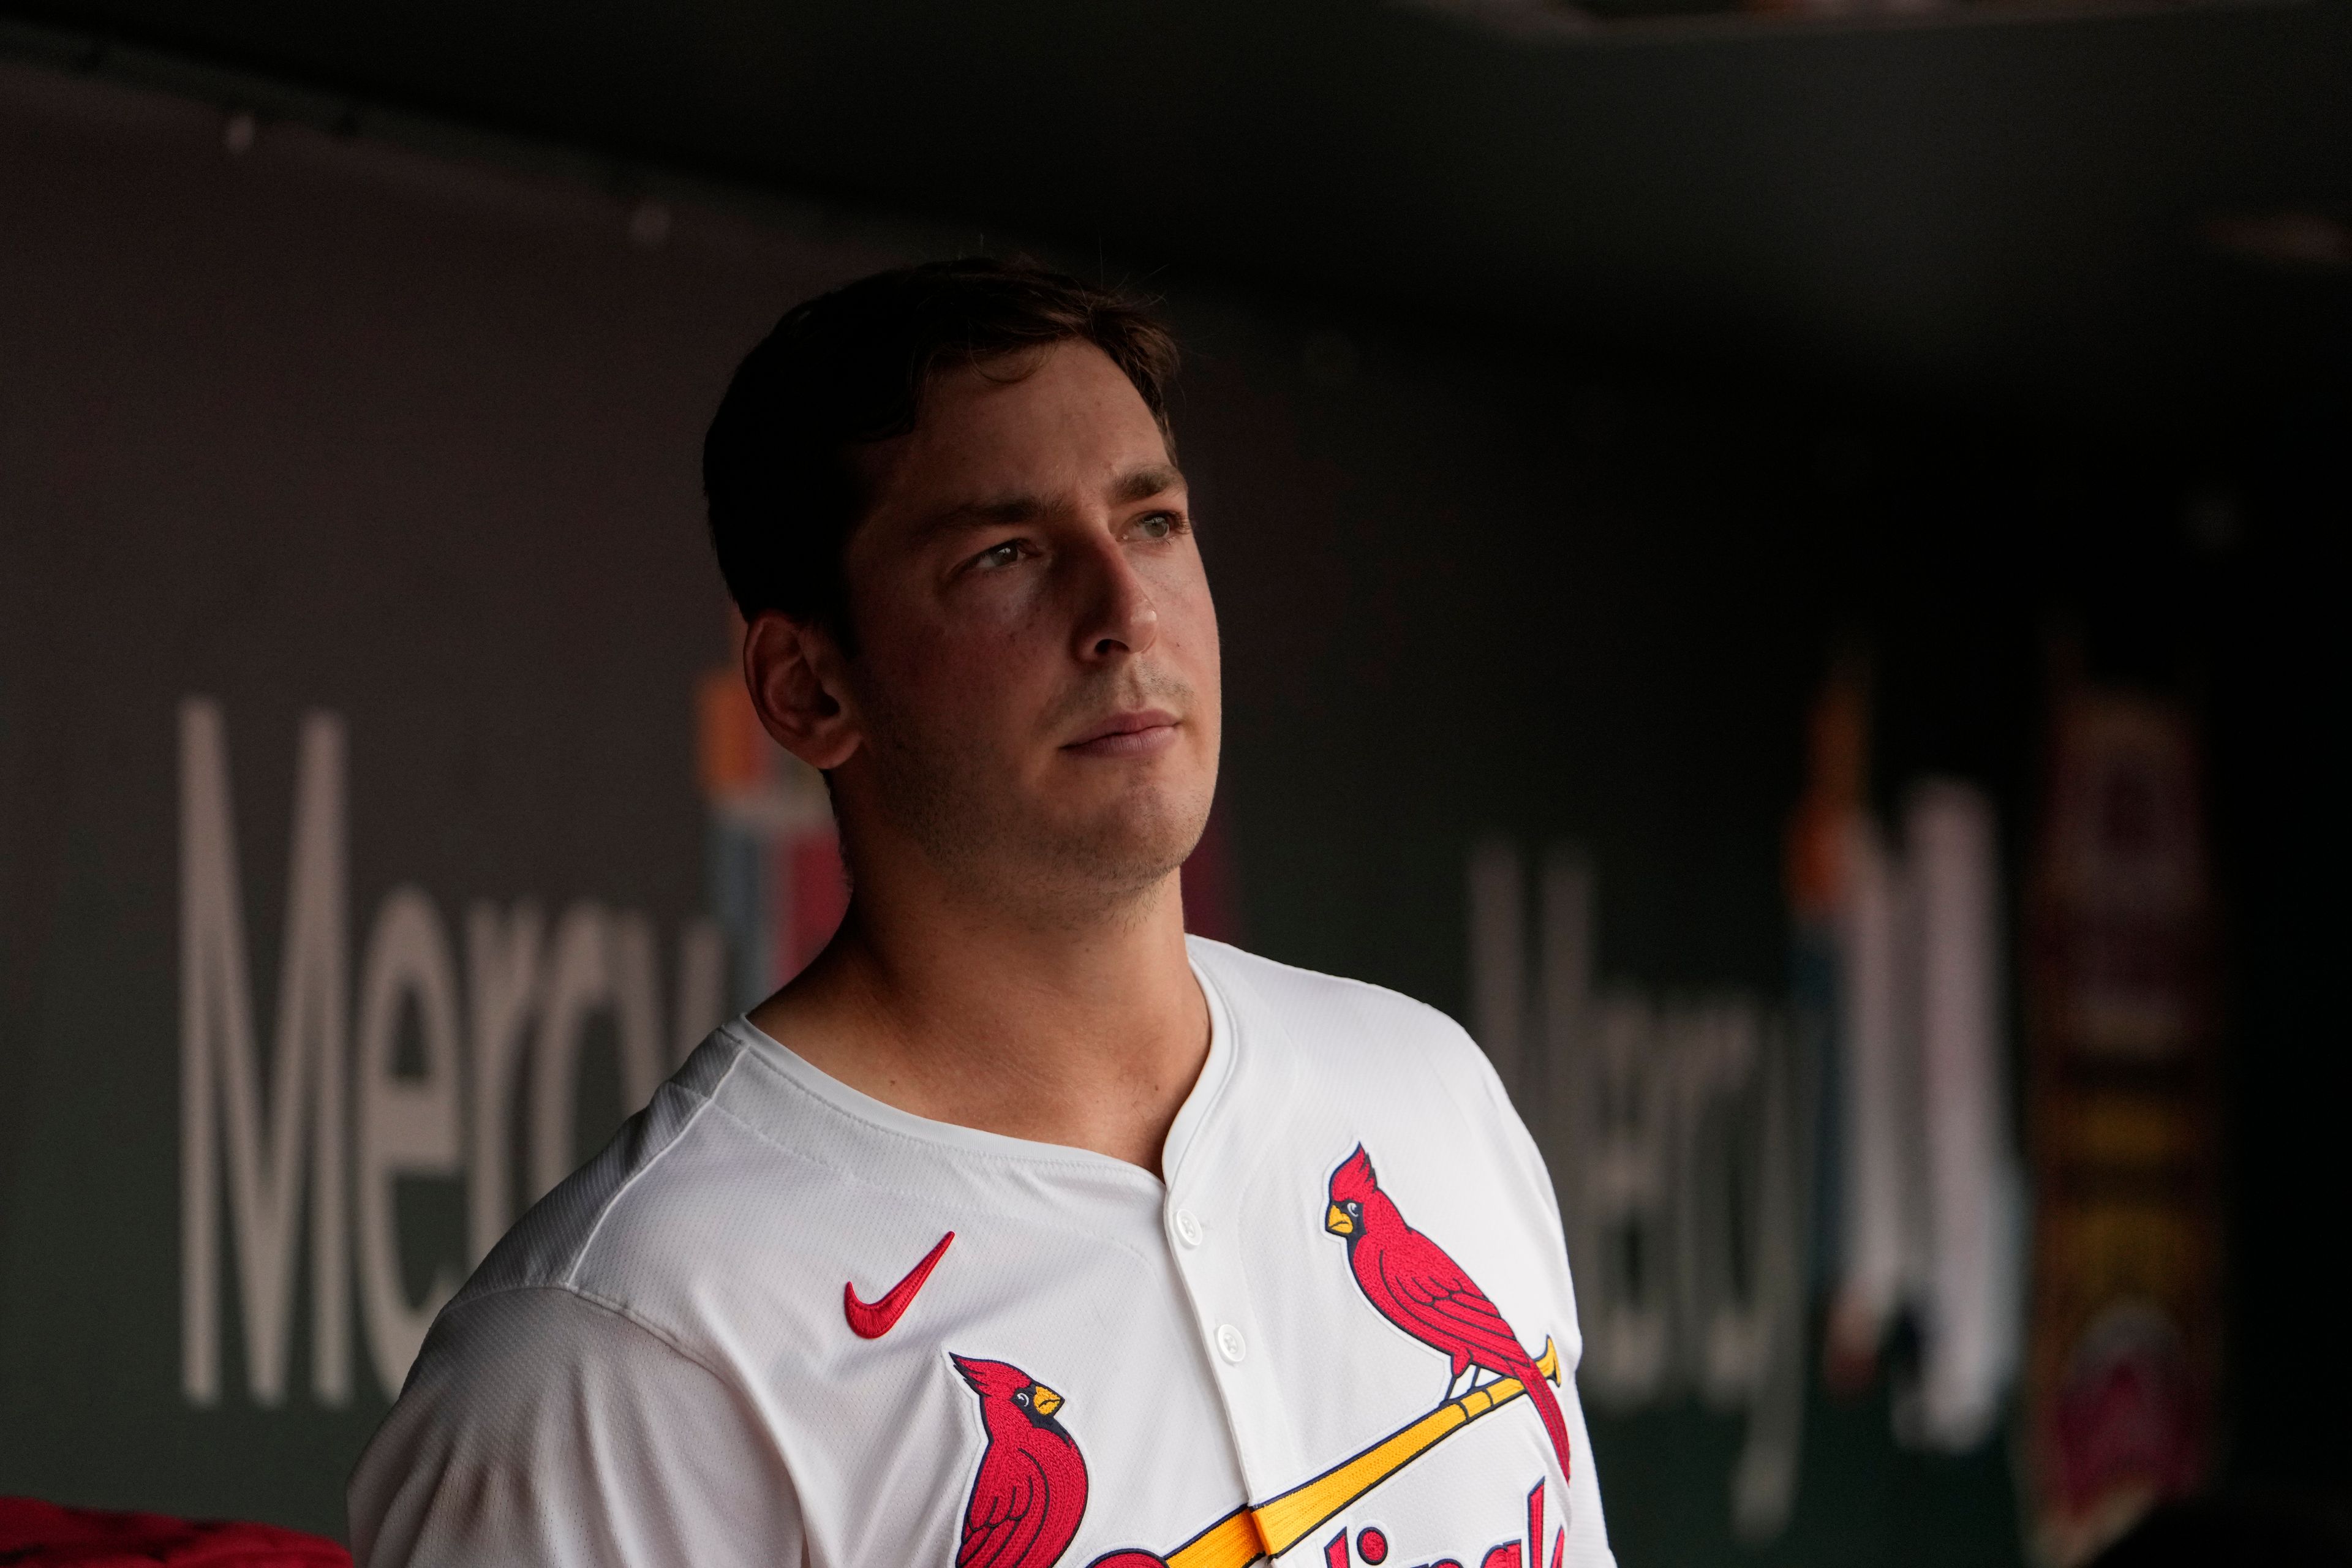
{"x": 1035, "y": 686}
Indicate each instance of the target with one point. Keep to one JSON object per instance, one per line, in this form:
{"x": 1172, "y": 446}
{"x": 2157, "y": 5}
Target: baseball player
{"x": 1019, "y": 1230}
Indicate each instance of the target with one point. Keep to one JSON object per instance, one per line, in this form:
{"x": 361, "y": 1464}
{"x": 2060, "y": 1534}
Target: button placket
{"x": 1208, "y": 1274}
{"x": 1208, "y": 1263}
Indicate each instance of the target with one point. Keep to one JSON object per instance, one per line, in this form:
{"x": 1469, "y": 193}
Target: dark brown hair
{"x": 848, "y": 368}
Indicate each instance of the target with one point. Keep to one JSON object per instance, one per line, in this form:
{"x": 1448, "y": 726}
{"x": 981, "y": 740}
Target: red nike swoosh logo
{"x": 871, "y": 1323}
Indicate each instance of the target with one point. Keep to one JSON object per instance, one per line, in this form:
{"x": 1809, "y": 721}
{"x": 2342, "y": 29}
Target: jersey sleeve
{"x": 540, "y": 1426}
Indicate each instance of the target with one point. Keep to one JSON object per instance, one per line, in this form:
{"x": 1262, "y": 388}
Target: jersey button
{"x": 1188, "y": 1227}
{"x": 1230, "y": 1344}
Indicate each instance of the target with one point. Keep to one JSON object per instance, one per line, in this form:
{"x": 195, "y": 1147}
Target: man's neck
{"x": 1089, "y": 1033}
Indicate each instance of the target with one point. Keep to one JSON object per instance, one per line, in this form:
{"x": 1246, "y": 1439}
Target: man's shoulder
{"x": 1347, "y": 1026}
{"x": 1310, "y": 994}
{"x": 694, "y": 1178}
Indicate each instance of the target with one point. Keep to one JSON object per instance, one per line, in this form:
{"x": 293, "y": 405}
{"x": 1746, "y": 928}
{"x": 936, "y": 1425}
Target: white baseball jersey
{"x": 780, "y": 1323}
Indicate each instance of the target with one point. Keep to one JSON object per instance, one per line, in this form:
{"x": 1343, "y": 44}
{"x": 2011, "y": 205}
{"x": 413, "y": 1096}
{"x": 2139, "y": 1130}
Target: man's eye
{"x": 1000, "y": 555}
{"x": 1158, "y": 525}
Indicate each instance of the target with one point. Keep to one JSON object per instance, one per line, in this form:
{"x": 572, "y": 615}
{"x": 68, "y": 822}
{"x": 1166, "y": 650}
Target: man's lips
{"x": 1139, "y": 733}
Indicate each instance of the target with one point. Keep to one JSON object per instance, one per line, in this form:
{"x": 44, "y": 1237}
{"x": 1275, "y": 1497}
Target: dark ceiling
{"x": 2014, "y": 211}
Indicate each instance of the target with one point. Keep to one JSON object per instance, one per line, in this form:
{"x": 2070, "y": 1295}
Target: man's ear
{"x": 793, "y": 669}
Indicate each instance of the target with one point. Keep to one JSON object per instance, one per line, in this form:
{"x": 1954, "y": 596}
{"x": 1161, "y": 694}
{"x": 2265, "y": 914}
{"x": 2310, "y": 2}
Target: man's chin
{"x": 1128, "y": 851}
{"x": 1069, "y": 843}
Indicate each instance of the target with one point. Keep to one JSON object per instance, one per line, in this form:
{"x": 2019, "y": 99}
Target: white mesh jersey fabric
{"x": 656, "y": 1366}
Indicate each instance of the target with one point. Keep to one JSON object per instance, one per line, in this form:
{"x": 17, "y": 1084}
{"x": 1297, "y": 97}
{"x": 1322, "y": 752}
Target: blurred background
{"x": 1773, "y": 560}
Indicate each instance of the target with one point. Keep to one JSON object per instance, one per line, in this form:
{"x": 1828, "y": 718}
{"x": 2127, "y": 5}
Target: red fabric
{"x": 42, "y": 1535}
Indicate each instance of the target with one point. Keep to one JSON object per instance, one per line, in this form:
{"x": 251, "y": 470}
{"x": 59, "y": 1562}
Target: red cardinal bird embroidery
{"x": 1410, "y": 1281}
{"x": 1031, "y": 1488}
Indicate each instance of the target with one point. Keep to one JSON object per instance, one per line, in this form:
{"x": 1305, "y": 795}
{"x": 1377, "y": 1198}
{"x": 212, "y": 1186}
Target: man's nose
{"x": 1118, "y": 615}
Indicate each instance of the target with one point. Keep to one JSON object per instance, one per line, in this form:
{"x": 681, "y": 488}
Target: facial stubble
{"x": 941, "y": 789}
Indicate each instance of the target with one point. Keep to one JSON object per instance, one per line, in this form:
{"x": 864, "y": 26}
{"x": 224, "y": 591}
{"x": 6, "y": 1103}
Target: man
{"x": 1018, "y": 1230}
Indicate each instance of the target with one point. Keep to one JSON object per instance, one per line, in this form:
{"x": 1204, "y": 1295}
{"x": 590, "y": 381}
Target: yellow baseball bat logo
{"x": 1273, "y": 1527}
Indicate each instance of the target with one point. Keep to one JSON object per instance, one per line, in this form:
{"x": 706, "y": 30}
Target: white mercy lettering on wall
{"x": 1713, "y": 1155}
{"x": 1928, "y": 1207}
{"x": 527, "y": 998}
{"x": 1678, "y": 1134}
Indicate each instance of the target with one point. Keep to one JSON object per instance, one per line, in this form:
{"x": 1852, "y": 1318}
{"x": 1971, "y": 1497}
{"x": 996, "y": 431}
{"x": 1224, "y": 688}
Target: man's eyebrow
{"x": 1135, "y": 485}
{"x": 973, "y": 516}
{"x": 986, "y": 513}
{"x": 1142, "y": 484}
